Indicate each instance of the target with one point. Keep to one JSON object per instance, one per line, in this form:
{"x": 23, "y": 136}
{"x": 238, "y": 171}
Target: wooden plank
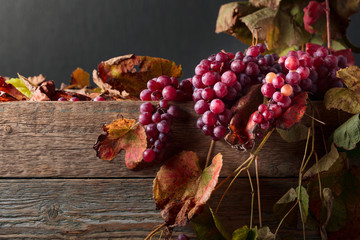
{"x": 111, "y": 209}
{"x": 55, "y": 139}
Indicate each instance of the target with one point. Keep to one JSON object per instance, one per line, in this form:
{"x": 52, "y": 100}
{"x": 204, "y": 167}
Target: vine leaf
{"x": 347, "y": 135}
{"x": 130, "y": 73}
{"x": 241, "y": 125}
{"x": 346, "y": 99}
{"x": 294, "y": 113}
{"x": 244, "y": 233}
{"x": 312, "y": 13}
{"x": 122, "y": 134}
{"x": 181, "y": 188}
{"x": 324, "y": 164}
{"x": 304, "y": 201}
{"x": 208, "y": 227}
{"x": 79, "y": 79}
{"x": 296, "y": 133}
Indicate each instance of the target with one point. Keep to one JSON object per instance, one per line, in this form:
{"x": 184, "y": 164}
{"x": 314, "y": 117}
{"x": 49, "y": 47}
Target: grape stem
{"x": 252, "y": 198}
{"x": 209, "y": 153}
{"x": 258, "y": 190}
{"x": 327, "y": 12}
{"x": 155, "y": 231}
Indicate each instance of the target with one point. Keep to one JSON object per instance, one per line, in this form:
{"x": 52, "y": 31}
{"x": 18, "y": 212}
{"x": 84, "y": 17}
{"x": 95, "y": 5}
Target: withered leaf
{"x": 122, "y": 134}
{"x": 130, "y": 73}
{"x": 296, "y": 133}
{"x": 79, "y": 79}
{"x": 347, "y": 136}
{"x": 294, "y": 113}
{"x": 44, "y": 92}
{"x": 36, "y": 80}
{"x": 105, "y": 87}
{"x": 346, "y": 99}
{"x": 241, "y": 123}
{"x": 181, "y": 188}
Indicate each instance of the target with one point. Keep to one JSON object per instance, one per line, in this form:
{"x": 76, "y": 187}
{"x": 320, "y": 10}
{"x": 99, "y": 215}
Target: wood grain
{"x": 111, "y": 209}
{"x": 55, "y": 139}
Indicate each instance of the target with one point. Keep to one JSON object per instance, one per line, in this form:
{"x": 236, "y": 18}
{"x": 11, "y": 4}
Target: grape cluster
{"x": 302, "y": 72}
{"x": 221, "y": 79}
{"x": 314, "y": 73}
{"x": 157, "y": 120}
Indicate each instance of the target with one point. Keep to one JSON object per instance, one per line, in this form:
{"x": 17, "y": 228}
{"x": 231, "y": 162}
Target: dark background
{"x": 54, "y": 37}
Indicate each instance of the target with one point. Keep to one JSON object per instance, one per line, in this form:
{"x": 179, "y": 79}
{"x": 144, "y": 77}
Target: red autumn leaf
{"x": 241, "y": 125}
{"x": 11, "y": 93}
{"x": 181, "y": 188}
{"x": 294, "y": 113}
{"x": 122, "y": 134}
{"x": 312, "y": 47}
{"x": 312, "y": 13}
{"x": 130, "y": 73}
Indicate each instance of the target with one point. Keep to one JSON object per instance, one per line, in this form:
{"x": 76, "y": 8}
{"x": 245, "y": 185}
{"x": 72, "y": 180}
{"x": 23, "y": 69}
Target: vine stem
{"x": 209, "y": 153}
{"x": 252, "y": 198}
{"x": 155, "y": 231}
{"x": 258, "y": 190}
{"x": 327, "y": 12}
{"x": 282, "y": 220}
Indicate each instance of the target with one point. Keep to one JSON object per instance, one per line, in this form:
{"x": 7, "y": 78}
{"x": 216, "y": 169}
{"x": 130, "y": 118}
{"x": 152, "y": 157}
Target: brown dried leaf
{"x": 45, "y": 92}
{"x": 181, "y": 188}
{"x": 79, "y": 79}
{"x": 10, "y": 92}
{"x": 36, "y": 80}
{"x": 105, "y": 87}
{"x": 122, "y": 134}
{"x": 130, "y": 73}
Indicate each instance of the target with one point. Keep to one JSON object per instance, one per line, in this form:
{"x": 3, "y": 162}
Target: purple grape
{"x": 145, "y": 118}
{"x": 156, "y": 117}
{"x": 174, "y": 111}
{"x": 146, "y": 107}
{"x": 163, "y": 81}
{"x": 252, "y": 69}
{"x": 145, "y": 95}
{"x": 201, "y": 69}
{"x": 163, "y": 103}
{"x": 201, "y": 107}
{"x": 169, "y": 93}
{"x": 163, "y": 126}
{"x": 219, "y": 131}
{"x": 207, "y": 94}
{"x": 237, "y": 66}
{"x": 209, "y": 118}
{"x": 151, "y": 130}
{"x": 149, "y": 155}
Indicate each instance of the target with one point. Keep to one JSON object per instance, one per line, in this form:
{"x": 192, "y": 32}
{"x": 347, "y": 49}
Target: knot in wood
{"x": 53, "y": 211}
{"x": 7, "y": 129}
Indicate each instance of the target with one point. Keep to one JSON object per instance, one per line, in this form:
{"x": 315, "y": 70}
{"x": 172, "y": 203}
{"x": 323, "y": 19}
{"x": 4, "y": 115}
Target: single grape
{"x": 318, "y": 61}
{"x": 229, "y": 78}
{"x": 253, "y": 51}
{"x": 257, "y": 118}
{"x": 209, "y": 118}
{"x": 259, "y": 135}
{"x": 285, "y": 103}
{"x": 306, "y": 61}
{"x": 230, "y": 55}
{"x": 217, "y": 106}
{"x": 158, "y": 144}
{"x": 265, "y": 125}
{"x": 163, "y": 81}
{"x": 220, "y": 89}
{"x": 219, "y": 131}
{"x": 156, "y": 96}
{"x": 262, "y": 62}
{"x": 151, "y": 130}
{"x": 211, "y": 58}
{"x": 200, "y": 69}
{"x": 145, "y": 118}
{"x": 216, "y": 65}
{"x": 269, "y": 77}
{"x": 262, "y": 108}
{"x": 156, "y": 117}
{"x": 252, "y": 69}
{"x": 149, "y": 155}
{"x": 153, "y": 86}
{"x": 207, "y": 94}
{"x": 225, "y": 117}
{"x": 74, "y": 99}
{"x": 267, "y": 90}
{"x": 199, "y": 123}
{"x": 167, "y": 117}
{"x": 292, "y": 53}
{"x": 278, "y": 82}
{"x": 286, "y": 90}
{"x": 207, "y": 130}
{"x": 209, "y": 78}
{"x": 277, "y": 96}
{"x": 174, "y": 82}
{"x": 342, "y": 61}
{"x": 244, "y": 79}
{"x": 231, "y": 94}
{"x": 239, "y": 55}
{"x": 261, "y": 47}
{"x": 237, "y": 66}
{"x": 163, "y": 126}
{"x": 186, "y": 85}
{"x": 321, "y": 52}
{"x": 169, "y": 93}
{"x": 197, "y": 81}
{"x": 331, "y": 61}
{"x": 306, "y": 84}
{"x": 269, "y": 59}
{"x": 146, "y": 107}
{"x": 276, "y": 109}
{"x": 268, "y": 115}
{"x": 292, "y": 62}
{"x": 303, "y": 71}
{"x": 162, "y": 137}
{"x": 237, "y": 86}
{"x": 222, "y": 57}
{"x": 197, "y": 94}
{"x": 293, "y": 78}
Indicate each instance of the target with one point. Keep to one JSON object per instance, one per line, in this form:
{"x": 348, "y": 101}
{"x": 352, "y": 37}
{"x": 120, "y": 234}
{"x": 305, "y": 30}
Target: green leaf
{"x": 296, "y": 133}
{"x": 304, "y": 201}
{"x": 20, "y": 85}
{"x": 284, "y": 204}
{"x": 252, "y": 234}
{"x": 346, "y": 99}
{"x": 205, "y": 227}
{"x": 324, "y": 164}
{"x": 220, "y": 227}
{"x": 347, "y": 135}
{"x": 264, "y": 233}
{"x": 241, "y": 233}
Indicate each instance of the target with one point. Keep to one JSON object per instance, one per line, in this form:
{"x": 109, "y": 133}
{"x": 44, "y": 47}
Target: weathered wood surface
{"x": 112, "y": 209}
{"x": 55, "y": 139}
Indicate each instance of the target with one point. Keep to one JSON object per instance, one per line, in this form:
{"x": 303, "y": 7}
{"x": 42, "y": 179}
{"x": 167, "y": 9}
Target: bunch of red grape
{"x": 157, "y": 120}
{"x": 304, "y": 73}
{"x": 221, "y": 79}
